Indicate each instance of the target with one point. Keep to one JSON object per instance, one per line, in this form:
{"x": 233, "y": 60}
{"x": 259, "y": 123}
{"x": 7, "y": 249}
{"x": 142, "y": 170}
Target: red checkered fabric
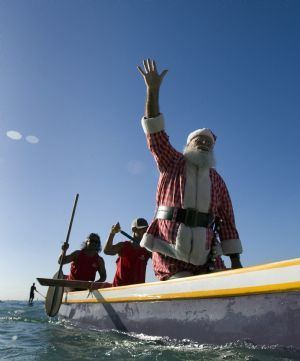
{"x": 170, "y": 192}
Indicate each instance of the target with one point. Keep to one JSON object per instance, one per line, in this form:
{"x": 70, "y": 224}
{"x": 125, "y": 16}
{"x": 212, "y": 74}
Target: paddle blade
{"x": 54, "y": 297}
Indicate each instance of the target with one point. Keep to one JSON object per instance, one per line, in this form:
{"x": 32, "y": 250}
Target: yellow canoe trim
{"x": 243, "y": 291}
{"x": 280, "y": 264}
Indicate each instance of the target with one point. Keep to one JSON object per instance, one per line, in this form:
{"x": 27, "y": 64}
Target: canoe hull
{"x": 264, "y": 319}
{"x": 259, "y": 303}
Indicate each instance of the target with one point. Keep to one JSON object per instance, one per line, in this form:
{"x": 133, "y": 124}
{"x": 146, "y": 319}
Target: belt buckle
{"x": 191, "y": 216}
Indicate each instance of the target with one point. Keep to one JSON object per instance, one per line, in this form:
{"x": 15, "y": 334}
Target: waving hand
{"x": 150, "y": 74}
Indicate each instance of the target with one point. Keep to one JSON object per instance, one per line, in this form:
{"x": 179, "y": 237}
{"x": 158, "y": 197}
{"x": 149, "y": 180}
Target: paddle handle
{"x": 40, "y": 293}
{"x": 69, "y": 232}
{"x": 128, "y": 236}
{"x": 72, "y": 217}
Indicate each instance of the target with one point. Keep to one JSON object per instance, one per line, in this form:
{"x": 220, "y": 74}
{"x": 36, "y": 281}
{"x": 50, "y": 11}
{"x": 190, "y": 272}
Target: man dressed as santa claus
{"x": 190, "y": 196}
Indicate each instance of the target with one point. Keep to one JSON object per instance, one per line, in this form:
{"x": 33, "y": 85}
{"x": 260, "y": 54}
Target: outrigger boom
{"x": 84, "y": 285}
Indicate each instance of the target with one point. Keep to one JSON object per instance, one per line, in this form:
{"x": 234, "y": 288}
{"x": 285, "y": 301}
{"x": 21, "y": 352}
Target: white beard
{"x": 199, "y": 158}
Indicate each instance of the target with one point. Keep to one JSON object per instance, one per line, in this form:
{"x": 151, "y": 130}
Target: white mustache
{"x": 200, "y": 158}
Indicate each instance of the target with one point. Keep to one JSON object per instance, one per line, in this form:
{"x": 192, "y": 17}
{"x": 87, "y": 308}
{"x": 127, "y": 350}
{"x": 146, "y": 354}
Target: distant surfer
{"x": 190, "y": 196}
{"x": 31, "y": 295}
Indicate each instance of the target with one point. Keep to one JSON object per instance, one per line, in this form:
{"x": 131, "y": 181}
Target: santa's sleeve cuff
{"x": 153, "y": 125}
{"x": 231, "y": 246}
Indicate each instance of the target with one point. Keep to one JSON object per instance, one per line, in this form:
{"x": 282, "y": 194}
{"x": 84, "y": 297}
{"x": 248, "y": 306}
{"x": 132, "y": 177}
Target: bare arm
{"x": 101, "y": 270}
{"x": 153, "y": 81}
{"x": 110, "y": 249}
{"x": 70, "y": 258}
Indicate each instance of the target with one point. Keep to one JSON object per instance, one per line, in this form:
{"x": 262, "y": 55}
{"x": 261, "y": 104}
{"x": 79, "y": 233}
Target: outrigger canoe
{"x": 259, "y": 303}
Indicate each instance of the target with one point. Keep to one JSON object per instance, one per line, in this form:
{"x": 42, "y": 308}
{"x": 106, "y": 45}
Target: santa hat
{"x": 202, "y": 131}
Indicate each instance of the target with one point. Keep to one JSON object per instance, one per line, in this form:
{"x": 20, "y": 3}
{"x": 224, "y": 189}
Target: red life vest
{"x": 85, "y": 267}
{"x": 131, "y": 265}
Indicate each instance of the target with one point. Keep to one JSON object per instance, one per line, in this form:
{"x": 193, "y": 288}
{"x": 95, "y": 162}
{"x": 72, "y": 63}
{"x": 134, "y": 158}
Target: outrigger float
{"x": 259, "y": 303}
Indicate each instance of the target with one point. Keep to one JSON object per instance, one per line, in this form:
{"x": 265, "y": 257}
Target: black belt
{"x": 191, "y": 217}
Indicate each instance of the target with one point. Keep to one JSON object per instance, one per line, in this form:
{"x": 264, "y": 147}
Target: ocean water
{"x": 27, "y": 334}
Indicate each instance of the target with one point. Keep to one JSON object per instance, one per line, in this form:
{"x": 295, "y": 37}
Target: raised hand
{"x": 65, "y": 246}
{"x": 150, "y": 74}
{"x": 115, "y": 228}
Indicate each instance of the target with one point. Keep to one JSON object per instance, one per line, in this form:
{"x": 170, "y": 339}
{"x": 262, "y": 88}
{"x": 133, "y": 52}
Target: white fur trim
{"x": 203, "y": 131}
{"x": 154, "y": 244}
{"x": 183, "y": 243}
{"x": 230, "y": 246}
{"x": 200, "y": 250}
{"x": 197, "y": 188}
{"x": 189, "y": 199}
{"x": 190, "y": 245}
{"x": 153, "y": 125}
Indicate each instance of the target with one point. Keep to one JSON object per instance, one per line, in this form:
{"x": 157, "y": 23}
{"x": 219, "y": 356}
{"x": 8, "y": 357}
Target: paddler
{"x": 85, "y": 262}
{"x": 132, "y": 259}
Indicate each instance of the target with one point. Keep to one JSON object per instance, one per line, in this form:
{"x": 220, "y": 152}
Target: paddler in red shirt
{"x": 86, "y": 262}
{"x": 132, "y": 260}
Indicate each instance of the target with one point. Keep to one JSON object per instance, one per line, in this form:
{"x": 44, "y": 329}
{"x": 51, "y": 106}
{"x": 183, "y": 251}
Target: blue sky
{"x": 68, "y": 78}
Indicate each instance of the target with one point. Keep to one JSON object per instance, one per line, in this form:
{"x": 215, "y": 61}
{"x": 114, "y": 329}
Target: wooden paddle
{"x": 128, "y": 236}
{"x": 55, "y": 293}
{"x": 40, "y": 293}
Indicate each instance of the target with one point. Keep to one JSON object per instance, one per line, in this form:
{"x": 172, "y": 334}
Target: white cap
{"x": 202, "y": 131}
{"x": 139, "y": 223}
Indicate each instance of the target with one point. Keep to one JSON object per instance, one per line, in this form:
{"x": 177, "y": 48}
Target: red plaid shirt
{"x": 170, "y": 192}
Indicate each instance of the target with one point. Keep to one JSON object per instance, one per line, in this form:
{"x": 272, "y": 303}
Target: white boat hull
{"x": 259, "y": 303}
